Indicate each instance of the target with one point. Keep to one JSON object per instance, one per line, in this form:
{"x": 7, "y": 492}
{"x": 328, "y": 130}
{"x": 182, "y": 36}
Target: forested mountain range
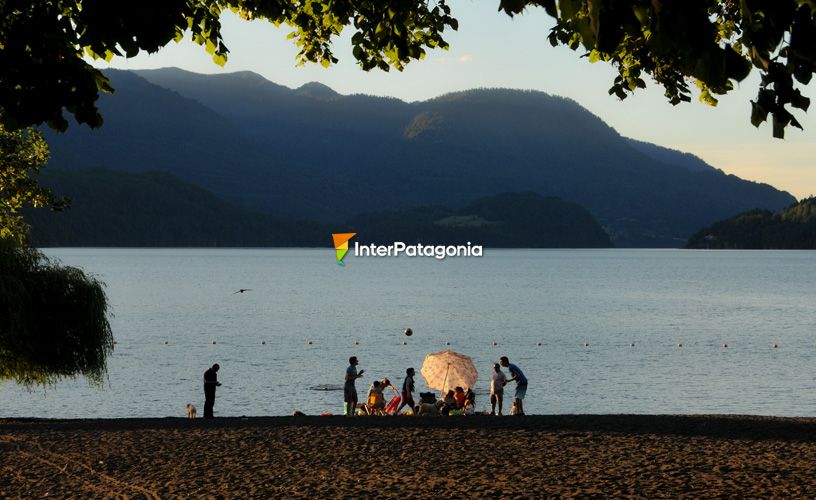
{"x": 313, "y": 154}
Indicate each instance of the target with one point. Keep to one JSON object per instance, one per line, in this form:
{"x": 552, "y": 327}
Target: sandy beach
{"x": 615, "y": 455}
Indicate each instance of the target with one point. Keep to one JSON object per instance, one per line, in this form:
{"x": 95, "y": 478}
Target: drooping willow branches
{"x": 53, "y": 320}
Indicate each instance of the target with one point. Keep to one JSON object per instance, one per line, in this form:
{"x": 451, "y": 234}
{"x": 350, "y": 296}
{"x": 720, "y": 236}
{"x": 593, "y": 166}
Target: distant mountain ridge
{"x": 311, "y": 153}
{"x": 672, "y": 157}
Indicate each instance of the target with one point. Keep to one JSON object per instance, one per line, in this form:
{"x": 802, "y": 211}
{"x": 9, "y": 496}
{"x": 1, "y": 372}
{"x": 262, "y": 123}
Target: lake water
{"x": 170, "y": 305}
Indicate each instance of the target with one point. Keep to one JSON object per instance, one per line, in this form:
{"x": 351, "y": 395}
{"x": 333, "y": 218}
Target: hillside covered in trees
{"x": 156, "y": 209}
{"x": 792, "y": 228}
{"x": 508, "y": 220}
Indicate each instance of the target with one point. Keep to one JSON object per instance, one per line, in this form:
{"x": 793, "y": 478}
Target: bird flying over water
{"x": 242, "y": 290}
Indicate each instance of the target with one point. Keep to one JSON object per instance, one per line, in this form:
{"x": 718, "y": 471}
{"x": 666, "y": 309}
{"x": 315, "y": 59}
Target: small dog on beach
{"x": 191, "y": 411}
{"x": 428, "y": 409}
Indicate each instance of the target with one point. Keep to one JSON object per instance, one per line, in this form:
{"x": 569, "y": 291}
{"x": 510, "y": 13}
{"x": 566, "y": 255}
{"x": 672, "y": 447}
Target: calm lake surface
{"x": 170, "y": 305}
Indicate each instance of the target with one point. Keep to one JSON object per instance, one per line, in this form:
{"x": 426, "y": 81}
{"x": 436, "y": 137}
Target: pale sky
{"x": 492, "y": 50}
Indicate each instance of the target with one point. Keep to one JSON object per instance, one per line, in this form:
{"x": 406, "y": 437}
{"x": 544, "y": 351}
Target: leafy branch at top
{"x": 711, "y": 43}
{"x": 43, "y": 42}
{"x": 22, "y": 154}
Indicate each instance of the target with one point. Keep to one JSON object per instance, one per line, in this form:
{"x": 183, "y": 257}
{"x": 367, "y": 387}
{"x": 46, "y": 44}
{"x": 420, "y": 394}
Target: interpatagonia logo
{"x": 398, "y": 248}
{"x": 341, "y": 245}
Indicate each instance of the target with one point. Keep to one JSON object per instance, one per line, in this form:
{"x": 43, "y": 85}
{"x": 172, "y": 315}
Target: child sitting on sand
{"x": 470, "y": 403}
{"x": 376, "y": 401}
{"x": 448, "y": 403}
{"x": 459, "y": 397}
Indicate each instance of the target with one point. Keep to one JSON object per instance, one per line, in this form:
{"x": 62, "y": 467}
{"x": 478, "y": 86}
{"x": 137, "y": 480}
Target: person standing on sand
{"x": 497, "y": 382}
{"x": 407, "y": 391}
{"x": 210, "y": 383}
{"x": 349, "y": 391}
{"x": 521, "y": 383}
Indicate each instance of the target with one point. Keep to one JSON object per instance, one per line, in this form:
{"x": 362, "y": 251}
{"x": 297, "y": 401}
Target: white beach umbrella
{"x": 447, "y": 369}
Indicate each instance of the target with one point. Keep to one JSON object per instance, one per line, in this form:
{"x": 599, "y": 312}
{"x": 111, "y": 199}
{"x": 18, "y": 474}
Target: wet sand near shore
{"x": 560, "y": 455}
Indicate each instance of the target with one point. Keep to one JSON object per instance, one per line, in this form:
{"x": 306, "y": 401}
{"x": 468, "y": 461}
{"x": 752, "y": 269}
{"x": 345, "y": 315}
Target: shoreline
{"x": 331, "y": 457}
{"x": 713, "y": 426}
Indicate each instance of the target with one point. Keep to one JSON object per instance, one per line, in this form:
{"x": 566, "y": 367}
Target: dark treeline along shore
{"x": 792, "y": 228}
{"x": 311, "y": 154}
{"x": 156, "y": 209}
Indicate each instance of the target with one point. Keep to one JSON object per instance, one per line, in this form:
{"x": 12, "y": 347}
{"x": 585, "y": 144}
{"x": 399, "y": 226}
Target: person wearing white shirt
{"x": 497, "y": 382}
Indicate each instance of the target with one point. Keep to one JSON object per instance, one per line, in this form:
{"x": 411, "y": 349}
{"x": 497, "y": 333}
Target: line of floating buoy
{"x": 586, "y": 344}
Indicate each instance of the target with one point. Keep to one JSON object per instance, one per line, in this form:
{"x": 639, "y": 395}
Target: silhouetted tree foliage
{"x": 54, "y": 320}
{"x": 22, "y": 154}
{"x": 793, "y": 228}
{"x": 43, "y": 42}
{"x": 710, "y": 43}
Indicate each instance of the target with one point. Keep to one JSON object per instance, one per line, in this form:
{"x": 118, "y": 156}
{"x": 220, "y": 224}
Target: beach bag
{"x": 427, "y": 397}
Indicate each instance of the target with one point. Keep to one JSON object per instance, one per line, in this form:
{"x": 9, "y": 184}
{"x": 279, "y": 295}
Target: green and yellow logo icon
{"x": 341, "y": 245}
